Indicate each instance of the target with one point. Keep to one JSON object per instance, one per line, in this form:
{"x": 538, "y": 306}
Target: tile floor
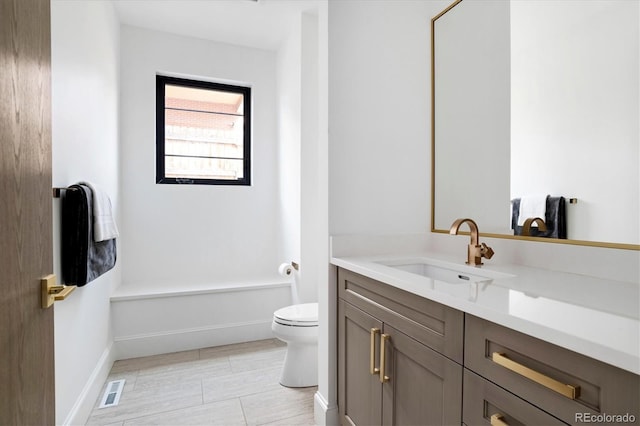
{"x": 225, "y": 385}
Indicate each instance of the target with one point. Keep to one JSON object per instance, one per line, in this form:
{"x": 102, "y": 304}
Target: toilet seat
{"x": 302, "y": 315}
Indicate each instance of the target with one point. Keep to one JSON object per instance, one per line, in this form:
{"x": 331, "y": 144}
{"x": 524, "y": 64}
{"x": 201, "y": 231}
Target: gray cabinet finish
{"x": 427, "y": 345}
{"x": 432, "y": 324}
{"x": 360, "y": 392}
{"x": 483, "y": 399}
{"x": 604, "y": 389}
{"x": 424, "y": 387}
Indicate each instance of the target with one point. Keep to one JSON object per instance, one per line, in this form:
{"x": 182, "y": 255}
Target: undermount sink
{"x": 439, "y": 272}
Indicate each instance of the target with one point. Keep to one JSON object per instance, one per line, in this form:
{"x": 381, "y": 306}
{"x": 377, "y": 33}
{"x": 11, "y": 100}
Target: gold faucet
{"x": 526, "y": 227}
{"x": 475, "y": 251}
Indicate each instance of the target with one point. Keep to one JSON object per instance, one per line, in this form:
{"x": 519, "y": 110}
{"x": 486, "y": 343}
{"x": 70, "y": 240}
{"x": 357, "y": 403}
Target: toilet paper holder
{"x": 286, "y": 269}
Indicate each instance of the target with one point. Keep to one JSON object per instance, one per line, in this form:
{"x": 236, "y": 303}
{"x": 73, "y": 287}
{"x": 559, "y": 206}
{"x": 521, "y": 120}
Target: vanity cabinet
{"x": 485, "y": 403}
{"x": 391, "y": 365}
{"x": 565, "y": 384}
{"x": 446, "y": 367}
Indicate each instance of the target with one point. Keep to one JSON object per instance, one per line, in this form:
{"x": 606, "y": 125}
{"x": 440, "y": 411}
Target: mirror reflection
{"x": 536, "y": 114}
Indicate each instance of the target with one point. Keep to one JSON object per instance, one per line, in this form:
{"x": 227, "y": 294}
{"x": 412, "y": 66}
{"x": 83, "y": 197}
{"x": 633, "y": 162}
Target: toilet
{"x": 297, "y": 326}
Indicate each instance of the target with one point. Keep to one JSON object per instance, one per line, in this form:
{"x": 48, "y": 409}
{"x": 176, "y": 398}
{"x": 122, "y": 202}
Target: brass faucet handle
{"x": 486, "y": 251}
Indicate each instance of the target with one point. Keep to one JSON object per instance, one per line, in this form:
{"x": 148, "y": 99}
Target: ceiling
{"x": 262, "y": 24}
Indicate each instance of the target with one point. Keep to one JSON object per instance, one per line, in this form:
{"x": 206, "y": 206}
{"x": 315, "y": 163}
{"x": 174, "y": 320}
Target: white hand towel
{"x": 532, "y": 206}
{"x": 104, "y": 225}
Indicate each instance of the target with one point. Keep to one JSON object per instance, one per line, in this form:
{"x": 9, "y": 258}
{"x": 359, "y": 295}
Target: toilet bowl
{"x": 297, "y": 326}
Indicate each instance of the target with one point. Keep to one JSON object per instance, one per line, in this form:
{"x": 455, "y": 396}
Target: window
{"x": 203, "y": 133}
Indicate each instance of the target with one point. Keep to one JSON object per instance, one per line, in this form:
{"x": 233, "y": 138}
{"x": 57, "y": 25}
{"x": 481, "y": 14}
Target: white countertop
{"x": 591, "y": 316}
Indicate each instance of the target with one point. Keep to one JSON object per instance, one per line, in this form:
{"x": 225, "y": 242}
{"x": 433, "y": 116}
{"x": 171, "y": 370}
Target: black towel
{"x": 555, "y": 219}
{"x": 83, "y": 260}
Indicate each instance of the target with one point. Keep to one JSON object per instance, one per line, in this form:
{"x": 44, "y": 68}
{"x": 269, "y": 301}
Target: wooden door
{"x": 359, "y": 391}
{"x": 424, "y": 387}
{"x": 26, "y": 330}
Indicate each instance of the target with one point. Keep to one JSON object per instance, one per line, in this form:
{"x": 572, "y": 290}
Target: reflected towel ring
{"x": 526, "y": 227}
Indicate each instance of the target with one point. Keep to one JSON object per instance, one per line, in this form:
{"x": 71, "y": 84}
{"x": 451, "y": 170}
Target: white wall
{"x": 197, "y": 233}
{"x": 325, "y": 398}
{"x": 298, "y": 154}
{"x": 85, "y": 58}
{"x": 312, "y": 204}
{"x": 289, "y": 141}
{"x": 379, "y": 62}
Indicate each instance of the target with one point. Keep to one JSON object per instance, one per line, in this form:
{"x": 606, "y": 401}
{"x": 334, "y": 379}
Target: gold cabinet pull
{"x": 498, "y": 420}
{"x": 569, "y": 391}
{"x": 52, "y": 292}
{"x": 383, "y": 339}
{"x": 372, "y": 359}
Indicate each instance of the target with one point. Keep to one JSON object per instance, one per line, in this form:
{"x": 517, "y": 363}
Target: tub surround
{"x": 588, "y": 315}
{"x": 151, "y": 319}
{"x": 159, "y": 290}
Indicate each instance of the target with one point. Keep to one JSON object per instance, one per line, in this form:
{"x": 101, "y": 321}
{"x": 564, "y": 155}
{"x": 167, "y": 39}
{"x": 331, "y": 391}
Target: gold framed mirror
{"x": 533, "y": 97}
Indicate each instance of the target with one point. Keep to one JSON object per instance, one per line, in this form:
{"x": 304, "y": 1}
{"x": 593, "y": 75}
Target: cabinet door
{"x": 430, "y": 323}
{"x": 424, "y": 387}
{"x": 359, "y": 392}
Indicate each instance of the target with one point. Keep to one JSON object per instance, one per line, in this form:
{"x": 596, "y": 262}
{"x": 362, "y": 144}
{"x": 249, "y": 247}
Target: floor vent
{"x": 111, "y": 396}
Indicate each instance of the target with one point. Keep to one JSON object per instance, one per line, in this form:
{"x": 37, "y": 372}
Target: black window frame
{"x": 161, "y": 82}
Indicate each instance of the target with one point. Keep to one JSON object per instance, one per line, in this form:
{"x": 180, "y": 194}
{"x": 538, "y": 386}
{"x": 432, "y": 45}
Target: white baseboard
{"x": 81, "y": 410}
{"x": 323, "y": 412}
{"x": 193, "y": 338}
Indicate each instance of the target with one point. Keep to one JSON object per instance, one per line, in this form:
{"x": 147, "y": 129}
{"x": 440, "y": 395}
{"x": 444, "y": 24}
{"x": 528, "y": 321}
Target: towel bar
{"x": 57, "y": 192}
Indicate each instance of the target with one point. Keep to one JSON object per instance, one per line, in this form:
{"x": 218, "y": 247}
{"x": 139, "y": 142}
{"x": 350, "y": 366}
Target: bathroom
{"x": 346, "y": 183}
{"x": 207, "y": 254}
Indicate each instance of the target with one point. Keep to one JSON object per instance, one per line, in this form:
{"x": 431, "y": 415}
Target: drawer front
{"x": 487, "y": 404}
{"x": 572, "y": 387}
{"x": 432, "y": 324}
